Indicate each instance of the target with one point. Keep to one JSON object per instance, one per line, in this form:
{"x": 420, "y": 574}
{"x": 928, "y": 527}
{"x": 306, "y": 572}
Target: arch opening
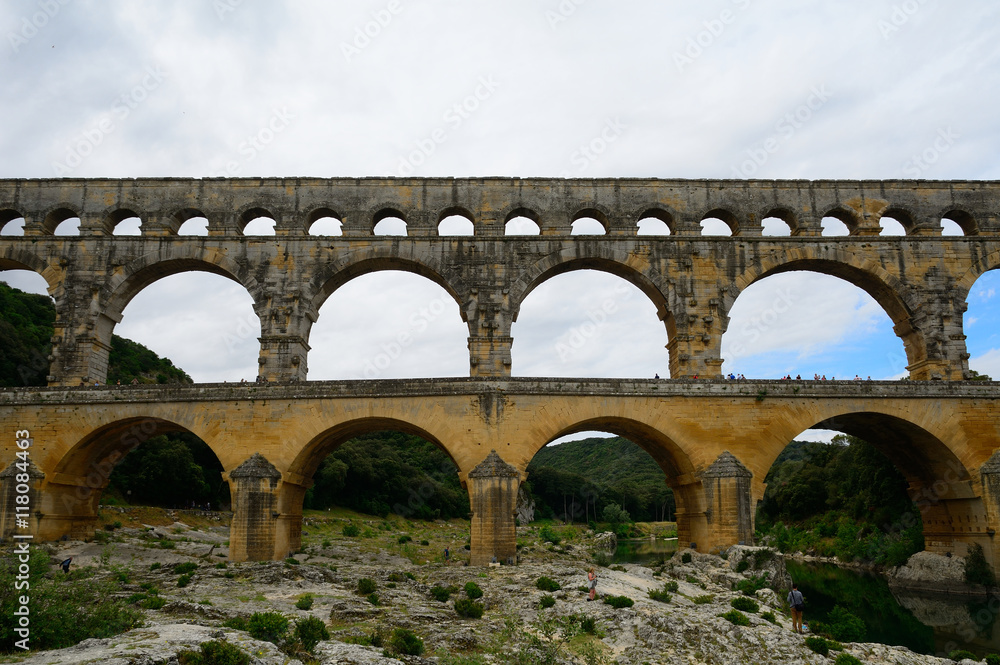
{"x": 11, "y": 223}
{"x": 590, "y": 319}
{"x": 125, "y": 223}
{"x": 457, "y": 224}
{"x": 522, "y": 222}
{"x": 189, "y": 222}
{"x": 958, "y": 222}
{"x": 195, "y": 315}
{"x": 981, "y": 325}
{"x": 67, "y": 227}
{"x": 814, "y": 321}
{"x": 652, "y": 226}
{"x": 325, "y": 222}
{"x": 257, "y": 222}
{"x": 836, "y": 224}
{"x": 62, "y": 222}
{"x": 26, "y": 328}
{"x": 389, "y": 222}
{"x": 585, "y": 224}
{"x": 893, "y": 225}
{"x": 719, "y": 223}
{"x": 387, "y": 320}
{"x": 775, "y": 226}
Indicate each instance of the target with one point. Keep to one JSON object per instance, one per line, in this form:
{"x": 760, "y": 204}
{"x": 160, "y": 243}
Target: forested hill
{"x": 26, "y": 325}
{"x": 609, "y": 470}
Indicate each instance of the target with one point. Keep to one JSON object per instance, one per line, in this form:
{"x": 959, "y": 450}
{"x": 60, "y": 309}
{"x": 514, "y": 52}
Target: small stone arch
{"x": 56, "y": 215}
{"x": 846, "y": 215}
{"x": 455, "y": 211}
{"x": 177, "y": 219}
{"x": 657, "y": 211}
{"x": 965, "y": 283}
{"x": 518, "y": 211}
{"x": 965, "y": 219}
{"x": 384, "y": 211}
{"x": 730, "y": 218}
{"x": 117, "y": 213}
{"x": 253, "y": 211}
{"x": 784, "y": 214}
{"x": 905, "y": 217}
{"x": 9, "y": 214}
{"x": 594, "y": 211}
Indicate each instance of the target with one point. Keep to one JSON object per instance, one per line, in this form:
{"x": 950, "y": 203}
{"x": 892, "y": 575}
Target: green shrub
{"x": 216, "y": 652}
{"x": 237, "y": 623}
{"x": 547, "y": 584}
{"x": 403, "y": 539}
{"x": 152, "y": 603}
{"x": 751, "y": 585}
{"x": 473, "y": 591}
{"x": 267, "y": 626}
{"x": 742, "y": 566}
{"x": 548, "y": 534}
{"x": 221, "y": 565}
{"x": 373, "y": 599}
{"x": 686, "y": 557}
{"x": 184, "y": 568}
{"x": 768, "y": 616}
{"x": 351, "y": 531}
{"x": 660, "y": 595}
{"x": 406, "y": 643}
{"x": 992, "y": 659}
{"x": 745, "y": 604}
{"x": 818, "y": 645}
{"x": 366, "y": 586}
{"x": 167, "y": 544}
{"x": 703, "y": 599}
{"x": 309, "y": 632}
{"x": 425, "y": 543}
{"x": 736, "y": 618}
{"x": 618, "y": 602}
{"x": 154, "y": 566}
{"x": 468, "y": 608}
{"x": 588, "y": 625}
{"x": 977, "y": 570}
{"x": 292, "y": 561}
{"x": 442, "y": 593}
{"x": 844, "y": 626}
{"x": 305, "y": 602}
{"x": 326, "y": 543}
{"x": 846, "y": 659}
{"x": 184, "y": 580}
{"x": 962, "y": 654}
{"x": 547, "y": 601}
{"x": 671, "y": 586}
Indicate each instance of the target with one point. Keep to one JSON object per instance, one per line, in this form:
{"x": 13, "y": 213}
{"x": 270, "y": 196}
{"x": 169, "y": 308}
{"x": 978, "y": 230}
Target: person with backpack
{"x": 797, "y": 603}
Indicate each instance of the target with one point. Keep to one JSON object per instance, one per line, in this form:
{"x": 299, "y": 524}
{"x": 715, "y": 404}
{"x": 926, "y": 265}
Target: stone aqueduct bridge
{"x": 714, "y": 439}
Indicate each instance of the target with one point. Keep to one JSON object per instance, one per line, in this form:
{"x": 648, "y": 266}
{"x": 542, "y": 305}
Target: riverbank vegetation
{"x": 842, "y": 499}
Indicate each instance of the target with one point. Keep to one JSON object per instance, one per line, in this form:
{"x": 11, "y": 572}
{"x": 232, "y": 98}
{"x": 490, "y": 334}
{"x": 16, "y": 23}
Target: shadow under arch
{"x": 71, "y": 491}
{"x": 885, "y": 289}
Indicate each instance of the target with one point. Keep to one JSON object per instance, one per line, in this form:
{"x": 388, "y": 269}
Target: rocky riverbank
{"x": 404, "y": 561}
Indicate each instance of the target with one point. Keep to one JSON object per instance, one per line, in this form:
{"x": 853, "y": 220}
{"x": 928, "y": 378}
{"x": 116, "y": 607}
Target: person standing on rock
{"x": 592, "y": 580}
{"x": 798, "y": 604}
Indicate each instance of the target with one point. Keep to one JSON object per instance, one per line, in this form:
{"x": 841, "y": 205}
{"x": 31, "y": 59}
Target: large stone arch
{"x": 987, "y": 262}
{"x": 77, "y": 473}
{"x": 933, "y": 454}
{"x": 887, "y": 290}
{"x": 297, "y": 478}
{"x": 632, "y": 269}
{"x": 13, "y": 257}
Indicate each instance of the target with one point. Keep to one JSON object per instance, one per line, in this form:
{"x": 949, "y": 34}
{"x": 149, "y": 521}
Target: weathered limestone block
{"x": 12, "y": 480}
{"x": 727, "y": 497}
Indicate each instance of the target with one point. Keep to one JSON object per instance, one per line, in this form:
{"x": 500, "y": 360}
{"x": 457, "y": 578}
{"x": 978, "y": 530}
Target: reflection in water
{"x": 645, "y": 551}
{"x": 925, "y": 623}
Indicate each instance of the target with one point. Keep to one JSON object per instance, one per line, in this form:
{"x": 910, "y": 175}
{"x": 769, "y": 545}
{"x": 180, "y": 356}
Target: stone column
{"x": 254, "y": 489}
{"x": 285, "y": 322}
{"x": 727, "y": 503}
{"x": 26, "y": 477}
{"x": 493, "y": 487}
{"x": 487, "y": 311}
{"x": 935, "y": 327}
{"x": 81, "y": 339}
{"x": 990, "y": 475}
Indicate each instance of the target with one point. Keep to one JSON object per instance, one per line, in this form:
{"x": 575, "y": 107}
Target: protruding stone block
{"x": 254, "y": 490}
{"x": 493, "y": 486}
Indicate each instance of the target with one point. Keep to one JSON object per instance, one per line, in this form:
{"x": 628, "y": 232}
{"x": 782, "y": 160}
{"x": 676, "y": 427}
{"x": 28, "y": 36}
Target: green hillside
{"x": 26, "y": 325}
{"x": 584, "y": 476}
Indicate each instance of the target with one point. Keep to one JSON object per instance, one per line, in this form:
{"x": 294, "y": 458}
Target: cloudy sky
{"x": 657, "y": 89}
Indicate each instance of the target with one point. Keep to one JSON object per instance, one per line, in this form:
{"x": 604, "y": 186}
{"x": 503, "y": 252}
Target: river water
{"x": 925, "y": 623}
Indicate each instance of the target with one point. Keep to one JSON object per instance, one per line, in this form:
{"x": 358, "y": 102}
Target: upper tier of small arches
{"x": 490, "y": 209}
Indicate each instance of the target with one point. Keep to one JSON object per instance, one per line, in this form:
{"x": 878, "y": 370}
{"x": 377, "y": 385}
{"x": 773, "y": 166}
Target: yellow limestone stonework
{"x": 715, "y": 440}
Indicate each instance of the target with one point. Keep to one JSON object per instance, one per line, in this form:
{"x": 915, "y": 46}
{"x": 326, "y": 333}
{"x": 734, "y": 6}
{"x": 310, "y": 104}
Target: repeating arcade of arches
{"x": 255, "y": 220}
